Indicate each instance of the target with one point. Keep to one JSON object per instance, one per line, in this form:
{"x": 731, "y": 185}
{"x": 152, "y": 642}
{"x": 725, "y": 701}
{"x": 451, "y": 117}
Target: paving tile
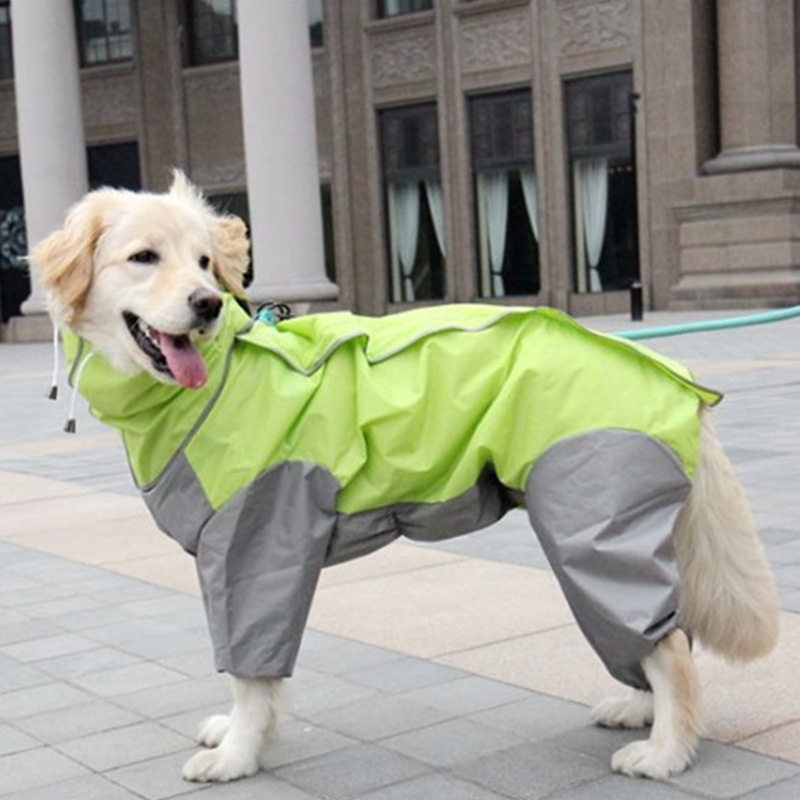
{"x": 467, "y": 695}
{"x": 403, "y": 675}
{"x": 122, "y": 746}
{"x": 90, "y": 787}
{"x": 532, "y": 772}
{"x": 452, "y": 742}
{"x": 38, "y": 699}
{"x": 26, "y": 630}
{"x": 78, "y": 665}
{"x": 536, "y": 717}
{"x": 175, "y": 698}
{"x": 782, "y": 790}
{"x": 621, "y": 787}
{"x": 375, "y": 718}
{"x": 434, "y": 787}
{"x": 336, "y": 656}
{"x": 14, "y": 676}
{"x": 125, "y": 680}
{"x": 56, "y": 726}
{"x": 13, "y": 740}
{"x": 350, "y": 772}
{"x": 259, "y": 787}
{"x": 298, "y": 740}
{"x": 56, "y": 610}
{"x": 309, "y": 696}
{"x": 724, "y": 771}
{"x": 32, "y": 768}
{"x": 48, "y": 647}
{"x": 157, "y": 778}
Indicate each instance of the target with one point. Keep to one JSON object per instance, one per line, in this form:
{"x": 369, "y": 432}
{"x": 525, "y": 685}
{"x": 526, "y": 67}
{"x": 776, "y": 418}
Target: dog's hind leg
{"x": 237, "y": 741}
{"x": 676, "y": 714}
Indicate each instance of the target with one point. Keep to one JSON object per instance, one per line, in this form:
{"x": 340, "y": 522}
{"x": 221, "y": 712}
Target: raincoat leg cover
{"x": 610, "y": 541}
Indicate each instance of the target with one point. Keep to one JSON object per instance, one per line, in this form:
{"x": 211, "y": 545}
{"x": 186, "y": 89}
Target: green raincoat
{"x": 325, "y": 437}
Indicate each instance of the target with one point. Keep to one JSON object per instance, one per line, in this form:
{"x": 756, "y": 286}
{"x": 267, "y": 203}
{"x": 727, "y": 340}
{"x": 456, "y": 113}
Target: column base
{"x": 30, "y": 328}
{"x": 747, "y": 159}
{"x": 292, "y": 292}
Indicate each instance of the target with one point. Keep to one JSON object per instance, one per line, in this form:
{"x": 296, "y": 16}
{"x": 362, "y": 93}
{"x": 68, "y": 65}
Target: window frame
{"x": 198, "y": 47}
{"x": 410, "y": 155}
{"x": 108, "y": 45}
{"x": 604, "y": 135}
{"x": 6, "y": 42}
{"x": 501, "y": 139}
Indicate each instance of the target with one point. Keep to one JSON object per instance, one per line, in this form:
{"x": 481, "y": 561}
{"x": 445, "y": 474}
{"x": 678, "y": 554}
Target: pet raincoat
{"x": 325, "y": 437}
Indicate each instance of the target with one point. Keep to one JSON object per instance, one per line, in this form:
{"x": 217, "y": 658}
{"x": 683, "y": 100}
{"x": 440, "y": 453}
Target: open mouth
{"x": 174, "y": 356}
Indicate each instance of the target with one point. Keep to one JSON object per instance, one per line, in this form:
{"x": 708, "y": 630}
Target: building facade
{"x": 548, "y": 152}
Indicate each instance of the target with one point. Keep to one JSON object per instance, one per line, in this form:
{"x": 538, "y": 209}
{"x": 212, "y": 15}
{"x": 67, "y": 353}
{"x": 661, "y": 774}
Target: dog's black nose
{"x": 206, "y": 305}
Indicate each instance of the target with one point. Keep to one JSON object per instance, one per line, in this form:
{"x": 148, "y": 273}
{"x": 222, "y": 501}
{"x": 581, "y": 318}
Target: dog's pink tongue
{"x": 185, "y": 363}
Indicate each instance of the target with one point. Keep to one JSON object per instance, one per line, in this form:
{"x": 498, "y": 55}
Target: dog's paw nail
{"x": 213, "y": 730}
{"x": 217, "y": 766}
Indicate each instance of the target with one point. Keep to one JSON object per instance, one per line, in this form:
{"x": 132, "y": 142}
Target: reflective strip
{"x": 604, "y": 506}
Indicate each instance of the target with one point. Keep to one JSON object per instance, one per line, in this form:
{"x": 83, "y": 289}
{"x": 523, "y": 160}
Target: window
{"x": 315, "y": 22}
{"x": 15, "y": 283}
{"x": 501, "y": 129}
{"x": 327, "y": 231}
{"x": 6, "y": 60}
{"x": 414, "y": 202}
{"x": 104, "y": 31}
{"x": 213, "y": 32}
{"x": 603, "y": 182}
{"x": 238, "y": 204}
{"x": 394, "y": 8}
{"x": 114, "y": 165}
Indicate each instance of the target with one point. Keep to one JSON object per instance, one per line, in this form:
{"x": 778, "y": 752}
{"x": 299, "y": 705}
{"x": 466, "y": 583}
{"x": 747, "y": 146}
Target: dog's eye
{"x": 204, "y": 262}
{"x": 144, "y": 257}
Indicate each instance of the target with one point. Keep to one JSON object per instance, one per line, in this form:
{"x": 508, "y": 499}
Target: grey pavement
{"x": 106, "y": 670}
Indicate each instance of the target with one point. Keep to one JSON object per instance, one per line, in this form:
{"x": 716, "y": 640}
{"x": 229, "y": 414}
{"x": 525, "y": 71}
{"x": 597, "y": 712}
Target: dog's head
{"x": 140, "y": 275}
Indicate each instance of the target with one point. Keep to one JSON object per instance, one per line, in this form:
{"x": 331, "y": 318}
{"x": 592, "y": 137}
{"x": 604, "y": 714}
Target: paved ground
{"x": 451, "y": 672}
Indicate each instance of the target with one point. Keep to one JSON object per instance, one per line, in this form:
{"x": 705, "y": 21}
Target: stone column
{"x": 49, "y": 120}
{"x": 757, "y": 85}
{"x": 280, "y": 144}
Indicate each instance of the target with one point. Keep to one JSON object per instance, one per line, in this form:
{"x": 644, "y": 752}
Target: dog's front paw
{"x": 213, "y": 729}
{"x": 219, "y": 765}
{"x": 644, "y": 759}
{"x": 635, "y": 711}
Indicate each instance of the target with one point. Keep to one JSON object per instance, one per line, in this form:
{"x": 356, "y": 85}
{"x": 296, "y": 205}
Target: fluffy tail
{"x": 728, "y": 597}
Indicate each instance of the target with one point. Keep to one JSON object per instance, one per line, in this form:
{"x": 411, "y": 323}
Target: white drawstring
{"x": 71, "y": 425}
{"x": 54, "y": 380}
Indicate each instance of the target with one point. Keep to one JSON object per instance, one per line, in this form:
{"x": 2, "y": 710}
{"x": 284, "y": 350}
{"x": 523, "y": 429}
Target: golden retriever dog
{"x": 145, "y": 281}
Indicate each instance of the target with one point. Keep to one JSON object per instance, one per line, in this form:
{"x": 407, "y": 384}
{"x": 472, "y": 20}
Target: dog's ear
{"x": 231, "y": 252}
{"x": 64, "y": 259}
{"x": 228, "y": 233}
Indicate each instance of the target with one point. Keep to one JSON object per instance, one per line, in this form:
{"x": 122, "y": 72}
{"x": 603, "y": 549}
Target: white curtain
{"x": 493, "y": 197}
{"x": 528, "y": 177}
{"x": 436, "y": 206}
{"x": 392, "y": 7}
{"x": 592, "y": 174}
{"x": 404, "y": 220}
